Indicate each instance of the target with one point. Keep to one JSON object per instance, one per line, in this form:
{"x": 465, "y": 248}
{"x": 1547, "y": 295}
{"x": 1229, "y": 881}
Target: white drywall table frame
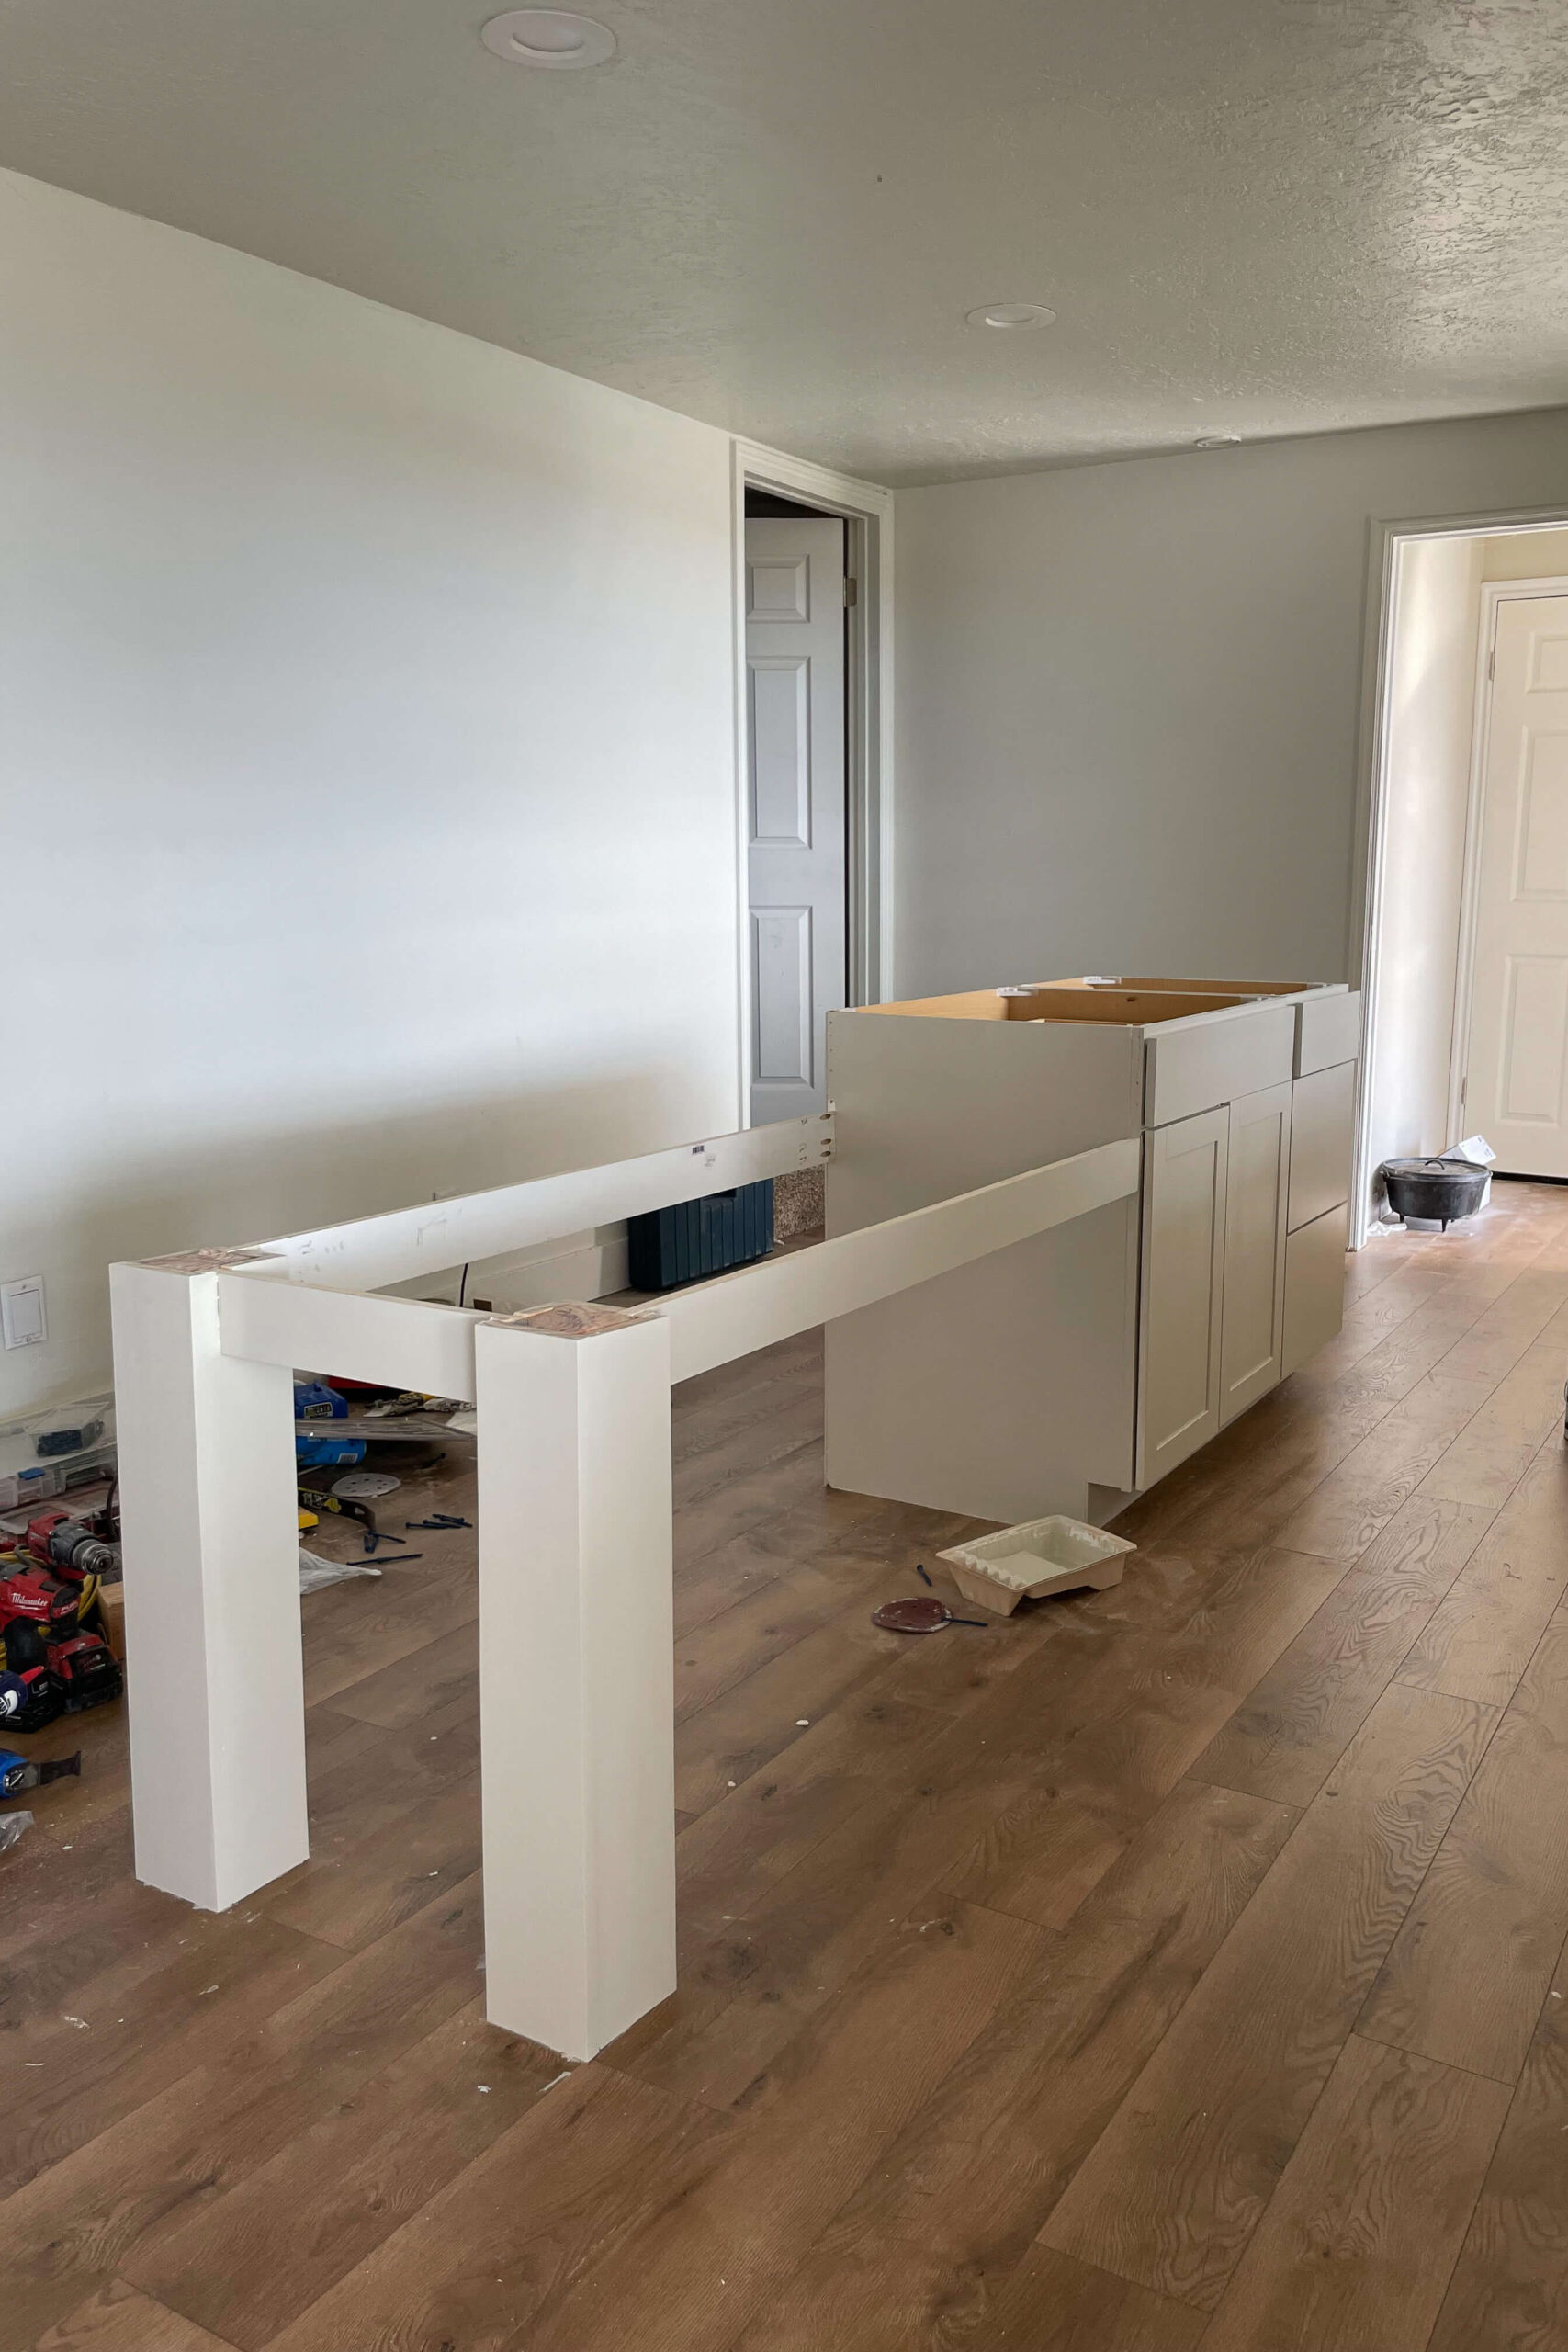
{"x": 577, "y": 1750}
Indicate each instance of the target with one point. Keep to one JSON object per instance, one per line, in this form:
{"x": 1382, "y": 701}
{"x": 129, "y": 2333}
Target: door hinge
{"x": 1492, "y": 663}
{"x": 1463, "y": 1094}
{"x": 852, "y": 591}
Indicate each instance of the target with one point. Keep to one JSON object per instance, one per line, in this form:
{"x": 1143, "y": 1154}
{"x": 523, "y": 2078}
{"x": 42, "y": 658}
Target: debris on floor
{"x": 920, "y": 1615}
{"x": 315, "y": 1573}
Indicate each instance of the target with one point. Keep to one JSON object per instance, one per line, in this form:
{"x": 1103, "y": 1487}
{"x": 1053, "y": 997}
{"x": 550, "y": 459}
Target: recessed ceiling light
{"x": 548, "y": 37}
{"x": 1010, "y": 314}
{"x": 1218, "y": 441}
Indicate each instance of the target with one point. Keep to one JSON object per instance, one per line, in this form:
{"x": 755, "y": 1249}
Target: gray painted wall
{"x": 1129, "y": 699}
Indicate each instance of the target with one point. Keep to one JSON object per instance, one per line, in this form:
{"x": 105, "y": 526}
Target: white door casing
{"x": 1516, "y": 1063}
{"x": 795, "y": 805}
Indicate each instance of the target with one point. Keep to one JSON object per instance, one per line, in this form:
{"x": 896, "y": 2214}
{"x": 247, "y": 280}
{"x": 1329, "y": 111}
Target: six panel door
{"x": 795, "y": 803}
{"x": 1517, "y": 1069}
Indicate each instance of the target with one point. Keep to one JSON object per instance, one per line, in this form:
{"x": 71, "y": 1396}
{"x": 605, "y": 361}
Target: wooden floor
{"x": 1178, "y": 1966}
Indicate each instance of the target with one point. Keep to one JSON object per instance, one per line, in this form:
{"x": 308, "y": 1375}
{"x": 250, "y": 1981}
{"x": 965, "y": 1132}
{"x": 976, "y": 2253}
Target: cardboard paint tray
{"x": 1045, "y": 1556}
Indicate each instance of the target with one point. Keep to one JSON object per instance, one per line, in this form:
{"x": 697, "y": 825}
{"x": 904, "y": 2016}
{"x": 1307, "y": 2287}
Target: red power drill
{"x": 50, "y": 1624}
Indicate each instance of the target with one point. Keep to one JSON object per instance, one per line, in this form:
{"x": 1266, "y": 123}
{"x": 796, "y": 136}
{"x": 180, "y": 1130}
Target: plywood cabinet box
{"x": 1074, "y": 1370}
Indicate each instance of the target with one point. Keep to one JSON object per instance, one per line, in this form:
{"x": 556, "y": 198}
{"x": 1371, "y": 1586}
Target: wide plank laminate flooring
{"x": 1181, "y": 1966}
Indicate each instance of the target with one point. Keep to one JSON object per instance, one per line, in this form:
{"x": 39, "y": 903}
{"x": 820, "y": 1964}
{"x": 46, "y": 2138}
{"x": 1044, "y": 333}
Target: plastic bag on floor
{"x": 13, "y": 1826}
{"x": 1479, "y": 1153}
{"x": 315, "y": 1572}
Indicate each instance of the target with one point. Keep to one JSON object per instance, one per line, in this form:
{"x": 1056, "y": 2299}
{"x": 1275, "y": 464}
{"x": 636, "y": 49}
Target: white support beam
{"x": 374, "y": 1252}
{"x": 712, "y": 1322}
{"x": 576, "y": 1672}
{"x": 405, "y": 1342}
{"x": 211, "y": 1594}
{"x": 576, "y": 1675}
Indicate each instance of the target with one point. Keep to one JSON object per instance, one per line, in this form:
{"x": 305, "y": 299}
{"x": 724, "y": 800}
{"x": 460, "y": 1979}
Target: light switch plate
{"x": 23, "y": 1323}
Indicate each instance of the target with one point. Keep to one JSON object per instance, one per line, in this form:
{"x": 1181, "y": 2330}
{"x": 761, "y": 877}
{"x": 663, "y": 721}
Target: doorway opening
{"x": 797, "y": 847}
{"x": 814, "y": 769}
{"x": 1465, "y": 960}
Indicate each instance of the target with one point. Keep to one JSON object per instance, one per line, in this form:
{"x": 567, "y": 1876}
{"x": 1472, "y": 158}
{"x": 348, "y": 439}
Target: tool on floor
{"x": 52, "y": 1628}
{"x": 316, "y": 1407}
{"x": 58, "y": 1540}
{"x": 922, "y": 1574}
{"x": 19, "y": 1773}
{"x": 30, "y": 1701}
{"x": 317, "y": 1499}
{"x": 439, "y": 1518}
{"x": 919, "y": 1616}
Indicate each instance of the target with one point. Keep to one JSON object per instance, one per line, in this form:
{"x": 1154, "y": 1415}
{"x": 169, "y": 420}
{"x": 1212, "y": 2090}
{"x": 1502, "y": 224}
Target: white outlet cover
{"x": 23, "y": 1322}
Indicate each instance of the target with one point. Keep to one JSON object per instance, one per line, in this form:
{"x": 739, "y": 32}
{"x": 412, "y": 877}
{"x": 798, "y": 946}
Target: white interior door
{"x": 1517, "y": 1069}
{"x": 795, "y": 734}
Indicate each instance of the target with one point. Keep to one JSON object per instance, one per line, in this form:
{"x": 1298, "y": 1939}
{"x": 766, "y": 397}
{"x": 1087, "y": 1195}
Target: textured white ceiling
{"x": 1252, "y": 216}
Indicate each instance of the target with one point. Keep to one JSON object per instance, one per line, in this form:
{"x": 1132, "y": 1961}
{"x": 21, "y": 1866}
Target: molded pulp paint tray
{"x": 1055, "y": 1555}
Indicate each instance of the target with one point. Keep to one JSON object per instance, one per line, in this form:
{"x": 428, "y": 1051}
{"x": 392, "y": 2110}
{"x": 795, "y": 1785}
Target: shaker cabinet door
{"x": 1181, "y": 1290}
{"x": 1257, "y": 1182}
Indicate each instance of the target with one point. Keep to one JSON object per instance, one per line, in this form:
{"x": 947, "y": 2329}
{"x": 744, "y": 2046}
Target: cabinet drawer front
{"x": 1321, "y": 1136}
{"x": 1191, "y": 1069}
{"x": 1330, "y": 1032}
{"x": 1315, "y": 1284}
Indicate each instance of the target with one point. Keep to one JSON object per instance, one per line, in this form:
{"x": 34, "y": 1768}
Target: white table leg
{"x": 576, "y": 1672}
{"x": 215, "y": 1674}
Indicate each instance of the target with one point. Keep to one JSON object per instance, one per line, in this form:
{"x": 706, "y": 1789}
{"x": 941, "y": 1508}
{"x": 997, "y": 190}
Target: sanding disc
{"x": 921, "y": 1615}
{"x": 364, "y": 1486}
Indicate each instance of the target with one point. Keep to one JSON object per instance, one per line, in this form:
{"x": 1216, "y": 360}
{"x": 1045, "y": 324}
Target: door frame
{"x": 1369, "y": 870}
{"x": 1493, "y": 594}
{"x": 867, "y": 510}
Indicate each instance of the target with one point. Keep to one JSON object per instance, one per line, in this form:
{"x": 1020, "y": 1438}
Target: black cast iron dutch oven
{"x": 1445, "y": 1189}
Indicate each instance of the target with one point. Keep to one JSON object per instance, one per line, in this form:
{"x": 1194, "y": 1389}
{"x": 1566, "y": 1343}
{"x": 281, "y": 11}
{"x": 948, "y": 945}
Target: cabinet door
{"x": 1315, "y": 1284}
{"x": 1323, "y": 1112}
{"x": 1182, "y": 1285}
{"x": 1257, "y": 1178}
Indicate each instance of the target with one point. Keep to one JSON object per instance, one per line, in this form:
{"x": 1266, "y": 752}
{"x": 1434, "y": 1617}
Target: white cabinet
{"x": 1329, "y": 1031}
{"x": 1092, "y": 1358}
{"x": 1322, "y": 1117}
{"x": 1258, "y": 1177}
{"x": 1318, "y": 1218}
{"x": 1192, "y": 1065}
{"x": 1315, "y": 1284}
{"x": 1182, "y": 1290}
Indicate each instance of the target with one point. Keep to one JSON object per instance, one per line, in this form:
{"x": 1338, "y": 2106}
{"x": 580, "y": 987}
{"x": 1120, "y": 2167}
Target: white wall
{"x": 1431, "y": 716}
{"x": 366, "y": 736}
{"x": 1130, "y": 693}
